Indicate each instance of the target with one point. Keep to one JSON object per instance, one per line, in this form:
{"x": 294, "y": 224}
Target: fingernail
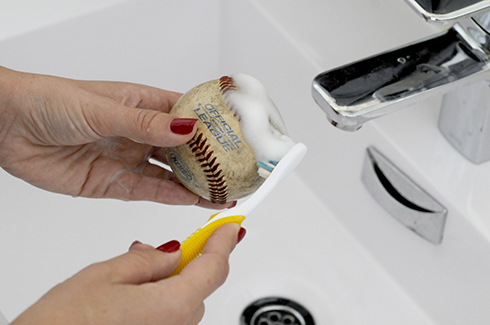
{"x": 182, "y": 125}
{"x": 170, "y": 247}
{"x": 134, "y": 243}
{"x": 241, "y": 234}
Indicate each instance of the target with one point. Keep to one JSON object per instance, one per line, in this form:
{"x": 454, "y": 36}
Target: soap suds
{"x": 261, "y": 123}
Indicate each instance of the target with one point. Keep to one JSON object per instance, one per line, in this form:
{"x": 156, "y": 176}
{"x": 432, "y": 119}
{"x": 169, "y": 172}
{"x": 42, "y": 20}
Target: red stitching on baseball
{"x": 226, "y": 83}
{"x": 217, "y": 185}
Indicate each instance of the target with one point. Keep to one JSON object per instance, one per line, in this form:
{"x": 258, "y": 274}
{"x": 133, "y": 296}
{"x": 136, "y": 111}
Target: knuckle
{"x": 145, "y": 119}
{"x": 140, "y": 259}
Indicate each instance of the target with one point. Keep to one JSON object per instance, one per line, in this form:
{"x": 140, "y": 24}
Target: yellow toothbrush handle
{"x": 193, "y": 246}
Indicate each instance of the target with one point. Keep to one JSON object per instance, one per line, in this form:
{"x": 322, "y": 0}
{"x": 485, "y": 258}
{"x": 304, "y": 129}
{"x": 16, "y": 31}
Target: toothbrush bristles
{"x": 266, "y": 168}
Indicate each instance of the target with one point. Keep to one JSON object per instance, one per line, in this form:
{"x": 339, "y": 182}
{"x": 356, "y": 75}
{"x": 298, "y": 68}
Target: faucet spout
{"x": 355, "y": 93}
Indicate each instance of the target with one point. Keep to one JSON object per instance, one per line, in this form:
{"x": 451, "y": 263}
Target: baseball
{"x": 238, "y": 126}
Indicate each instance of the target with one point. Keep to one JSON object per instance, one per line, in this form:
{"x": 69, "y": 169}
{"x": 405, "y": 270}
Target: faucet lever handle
{"x": 447, "y": 11}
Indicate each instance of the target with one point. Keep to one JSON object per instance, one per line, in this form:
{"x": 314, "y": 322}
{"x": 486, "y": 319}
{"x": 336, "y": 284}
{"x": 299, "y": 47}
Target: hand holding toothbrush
{"x": 134, "y": 289}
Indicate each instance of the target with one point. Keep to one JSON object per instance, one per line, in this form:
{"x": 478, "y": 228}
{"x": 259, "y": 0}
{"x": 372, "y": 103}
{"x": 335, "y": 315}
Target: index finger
{"x": 133, "y": 95}
{"x": 209, "y": 271}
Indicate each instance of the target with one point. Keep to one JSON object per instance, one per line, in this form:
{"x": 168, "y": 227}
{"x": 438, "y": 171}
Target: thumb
{"x": 144, "y": 125}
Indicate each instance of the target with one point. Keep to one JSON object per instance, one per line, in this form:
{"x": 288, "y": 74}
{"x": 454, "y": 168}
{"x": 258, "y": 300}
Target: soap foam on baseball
{"x": 260, "y": 120}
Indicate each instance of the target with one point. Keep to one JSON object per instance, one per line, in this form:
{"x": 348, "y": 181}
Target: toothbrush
{"x": 193, "y": 246}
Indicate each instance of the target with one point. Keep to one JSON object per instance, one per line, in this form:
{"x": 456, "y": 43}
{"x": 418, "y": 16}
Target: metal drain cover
{"x": 276, "y": 311}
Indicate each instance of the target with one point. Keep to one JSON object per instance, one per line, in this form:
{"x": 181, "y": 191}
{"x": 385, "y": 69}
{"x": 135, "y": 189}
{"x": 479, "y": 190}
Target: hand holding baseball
{"x": 92, "y": 139}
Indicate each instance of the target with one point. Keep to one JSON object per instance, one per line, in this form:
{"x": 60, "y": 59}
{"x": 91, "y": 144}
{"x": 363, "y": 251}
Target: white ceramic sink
{"x": 319, "y": 239}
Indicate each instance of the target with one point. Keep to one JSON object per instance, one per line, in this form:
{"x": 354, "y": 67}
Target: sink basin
{"x": 319, "y": 239}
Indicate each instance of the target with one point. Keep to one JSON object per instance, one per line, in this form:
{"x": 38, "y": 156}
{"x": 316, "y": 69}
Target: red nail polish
{"x": 182, "y": 125}
{"x": 170, "y": 247}
{"x": 241, "y": 234}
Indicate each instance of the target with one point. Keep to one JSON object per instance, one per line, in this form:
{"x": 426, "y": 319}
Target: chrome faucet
{"x": 455, "y": 64}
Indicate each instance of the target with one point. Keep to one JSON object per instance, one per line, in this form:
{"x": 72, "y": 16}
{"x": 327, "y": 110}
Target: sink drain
{"x": 276, "y": 311}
